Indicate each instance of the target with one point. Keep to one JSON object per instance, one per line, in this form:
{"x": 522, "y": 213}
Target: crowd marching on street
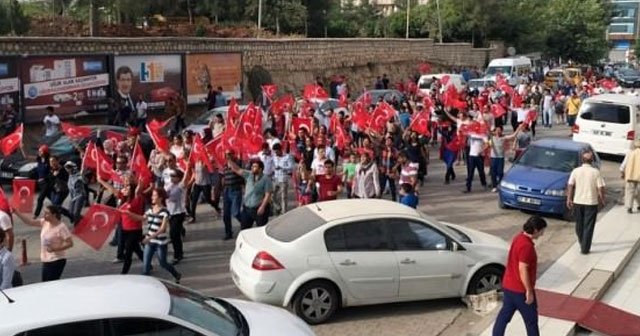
{"x": 249, "y": 163}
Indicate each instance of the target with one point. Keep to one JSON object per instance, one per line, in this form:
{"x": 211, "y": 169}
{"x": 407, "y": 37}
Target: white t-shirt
{"x": 141, "y": 108}
{"x": 522, "y": 114}
{"x": 5, "y": 221}
{"x": 476, "y": 145}
{"x": 547, "y": 102}
{"x": 52, "y": 125}
{"x": 272, "y": 142}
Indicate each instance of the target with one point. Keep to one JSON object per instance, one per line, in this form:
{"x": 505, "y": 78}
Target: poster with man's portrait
{"x": 156, "y": 77}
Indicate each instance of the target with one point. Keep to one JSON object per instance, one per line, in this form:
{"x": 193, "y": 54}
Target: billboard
{"x": 157, "y": 77}
{"x": 68, "y": 83}
{"x": 217, "y": 69}
{"x": 9, "y": 82}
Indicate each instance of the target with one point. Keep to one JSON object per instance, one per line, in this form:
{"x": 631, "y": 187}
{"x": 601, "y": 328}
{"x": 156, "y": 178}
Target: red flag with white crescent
{"x": 269, "y": 90}
{"x": 74, "y": 132}
{"x": 23, "y": 194}
{"x": 420, "y": 123}
{"x": 11, "y": 142}
{"x": 96, "y": 225}
{"x": 360, "y": 116}
{"x": 382, "y": 113}
{"x": 343, "y": 101}
{"x": 314, "y": 92}
{"x": 516, "y": 101}
{"x": 342, "y": 138}
{"x": 532, "y": 116}
{"x": 90, "y": 157}
{"x": 215, "y": 148}
{"x": 139, "y": 165}
{"x": 247, "y": 125}
{"x": 159, "y": 140}
{"x": 157, "y": 125}
{"x": 497, "y": 110}
{"x": 105, "y": 167}
{"x": 298, "y": 123}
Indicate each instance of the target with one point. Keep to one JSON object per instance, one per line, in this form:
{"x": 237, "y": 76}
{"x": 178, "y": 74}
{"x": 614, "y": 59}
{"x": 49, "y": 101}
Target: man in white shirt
{"x": 51, "y": 123}
{"x": 141, "y": 112}
{"x": 266, "y": 156}
{"x": 283, "y": 165}
{"x": 477, "y": 144}
{"x": 547, "y": 109}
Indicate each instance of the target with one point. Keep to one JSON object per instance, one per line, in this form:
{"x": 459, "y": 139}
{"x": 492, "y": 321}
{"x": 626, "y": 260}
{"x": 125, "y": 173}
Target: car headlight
{"x": 507, "y": 185}
{"x": 555, "y": 192}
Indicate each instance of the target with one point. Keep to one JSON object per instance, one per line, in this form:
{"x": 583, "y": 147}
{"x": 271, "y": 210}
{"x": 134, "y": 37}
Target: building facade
{"x": 624, "y": 29}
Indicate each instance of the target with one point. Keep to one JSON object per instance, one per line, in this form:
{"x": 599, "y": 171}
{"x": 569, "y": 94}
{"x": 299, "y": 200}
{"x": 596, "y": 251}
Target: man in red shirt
{"x": 520, "y": 279}
{"x": 329, "y": 185}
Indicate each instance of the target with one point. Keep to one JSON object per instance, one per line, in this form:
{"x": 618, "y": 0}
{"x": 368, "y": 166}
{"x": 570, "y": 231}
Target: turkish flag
{"x": 105, "y": 167}
{"x": 459, "y": 104}
{"x": 233, "y": 113}
{"x": 115, "y": 136}
{"x": 215, "y": 149}
{"x": 420, "y": 123}
{"x": 608, "y": 84}
{"x": 445, "y": 80}
{"x": 287, "y": 102}
{"x": 456, "y": 143}
{"x": 314, "y": 92}
{"x": 199, "y": 152}
{"x": 412, "y": 87}
{"x": 427, "y": 103}
{"x": 269, "y": 90}
{"x": 74, "y": 132}
{"x": 139, "y": 165}
{"x": 159, "y": 140}
{"x": 247, "y": 126}
{"x": 506, "y": 88}
{"x": 23, "y": 192}
{"x": 450, "y": 96}
{"x": 475, "y": 128}
{"x": 90, "y": 157}
{"x": 343, "y": 101}
{"x": 360, "y": 116}
{"x": 298, "y": 123}
{"x": 4, "y": 202}
{"x": 501, "y": 80}
{"x": 383, "y": 113}
{"x": 342, "y": 138}
{"x": 157, "y": 125}
{"x": 307, "y": 109}
{"x": 424, "y": 68}
{"x": 96, "y": 225}
{"x": 11, "y": 142}
{"x": 516, "y": 101}
{"x": 497, "y": 110}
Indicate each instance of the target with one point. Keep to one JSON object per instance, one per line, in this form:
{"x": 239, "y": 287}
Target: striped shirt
{"x": 154, "y": 222}
{"x": 407, "y": 171}
{"x": 231, "y": 179}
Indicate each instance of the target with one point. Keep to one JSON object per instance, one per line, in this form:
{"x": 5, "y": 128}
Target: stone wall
{"x": 291, "y": 62}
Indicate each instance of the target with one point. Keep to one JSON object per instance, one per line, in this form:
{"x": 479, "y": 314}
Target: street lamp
{"x": 408, "y": 8}
{"x": 259, "y": 17}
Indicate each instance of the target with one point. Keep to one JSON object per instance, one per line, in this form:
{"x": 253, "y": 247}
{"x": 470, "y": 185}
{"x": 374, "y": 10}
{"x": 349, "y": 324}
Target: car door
{"x": 428, "y": 265}
{"x": 362, "y": 255}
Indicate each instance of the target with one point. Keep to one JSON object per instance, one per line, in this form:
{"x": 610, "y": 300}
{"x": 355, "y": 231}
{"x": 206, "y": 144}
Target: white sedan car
{"x": 334, "y": 254}
{"x": 135, "y": 305}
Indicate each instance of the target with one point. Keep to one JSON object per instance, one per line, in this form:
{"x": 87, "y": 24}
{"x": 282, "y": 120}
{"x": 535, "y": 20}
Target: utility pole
{"x": 408, "y": 9}
{"x": 439, "y": 19}
{"x": 259, "y": 17}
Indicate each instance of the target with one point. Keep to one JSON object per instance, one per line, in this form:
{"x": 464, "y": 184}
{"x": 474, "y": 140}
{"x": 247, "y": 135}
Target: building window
{"x": 621, "y": 28}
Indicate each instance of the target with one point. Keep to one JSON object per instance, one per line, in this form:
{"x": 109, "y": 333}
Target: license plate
{"x": 7, "y": 175}
{"x": 528, "y": 200}
{"x": 603, "y": 133}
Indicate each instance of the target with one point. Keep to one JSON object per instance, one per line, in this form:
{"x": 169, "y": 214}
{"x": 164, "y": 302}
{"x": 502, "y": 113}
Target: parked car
{"x": 202, "y": 122}
{"x": 387, "y": 95}
{"x": 15, "y": 165}
{"x": 480, "y": 84}
{"x": 628, "y": 78}
{"x": 425, "y": 81}
{"x": 135, "y": 305}
{"x": 538, "y": 178}
{"x": 328, "y": 255}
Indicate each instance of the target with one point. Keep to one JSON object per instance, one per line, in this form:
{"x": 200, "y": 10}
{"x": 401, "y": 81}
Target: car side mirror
{"x": 454, "y": 246}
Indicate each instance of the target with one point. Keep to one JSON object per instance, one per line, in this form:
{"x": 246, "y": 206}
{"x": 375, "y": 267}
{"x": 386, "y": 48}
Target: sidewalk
{"x": 616, "y": 240}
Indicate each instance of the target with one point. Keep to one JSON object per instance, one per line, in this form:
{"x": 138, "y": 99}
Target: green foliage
{"x": 201, "y": 31}
{"x": 258, "y": 76}
{"x": 12, "y": 18}
{"x": 281, "y": 16}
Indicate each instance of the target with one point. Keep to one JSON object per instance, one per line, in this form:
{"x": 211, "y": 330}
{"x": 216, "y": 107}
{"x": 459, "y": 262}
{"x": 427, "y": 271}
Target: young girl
{"x": 348, "y": 173}
{"x": 305, "y": 185}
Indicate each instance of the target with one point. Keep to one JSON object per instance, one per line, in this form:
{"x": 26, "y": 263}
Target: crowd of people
{"x": 345, "y": 152}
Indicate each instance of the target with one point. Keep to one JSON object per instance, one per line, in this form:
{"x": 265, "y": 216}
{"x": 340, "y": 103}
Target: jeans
{"x": 571, "y": 120}
{"x": 383, "y": 179}
{"x": 132, "y": 240}
{"x": 547, "y": 117}
{"x": 149, "y": 251}
{"x": 57, "y": 198}
{"x": 473, "y": 163}
{"x": 585, "y": 224}
{"x": 231, "y": 201}
{"x": 52, "y": 270}
{"x": 250, "y": 215}
{"x": 176, "y": 231}
{"x": 45, "y": 192}
{"x": 279, "y": 199}
{"x": 196, "y": 191}
{"x": 516, "y": 301}
{"x": 497, "y": 171}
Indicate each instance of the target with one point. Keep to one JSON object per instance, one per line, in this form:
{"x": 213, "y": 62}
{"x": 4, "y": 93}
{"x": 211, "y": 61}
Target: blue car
{"x": 538, "y": 178}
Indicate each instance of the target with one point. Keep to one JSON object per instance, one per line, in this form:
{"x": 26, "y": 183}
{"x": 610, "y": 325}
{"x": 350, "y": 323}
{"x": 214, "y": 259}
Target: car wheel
{"x": 316, "y": 302}
{"x": 501, "y": 204}
{"x": 486, "y": 279}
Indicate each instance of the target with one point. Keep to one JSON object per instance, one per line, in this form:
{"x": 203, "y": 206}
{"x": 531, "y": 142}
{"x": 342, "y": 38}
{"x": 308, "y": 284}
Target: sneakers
{"x": 227, "y": 238}
{"x": 117, "y": 261}
{"x": 178, "y": 277}
{"x": 176, "y": 261}
{"x": 465, "y": 191}
{"x": 494, "y": 190}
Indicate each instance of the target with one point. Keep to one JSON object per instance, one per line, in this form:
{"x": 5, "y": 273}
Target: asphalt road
{"x": 206, "y": 263}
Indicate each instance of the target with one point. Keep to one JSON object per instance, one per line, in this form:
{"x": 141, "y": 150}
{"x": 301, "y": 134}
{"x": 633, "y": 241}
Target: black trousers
{"x": 52, "y": 270}
{"x": 475, "y": 163}
{"x": 132, "y": 240}
{"x": 195, "y": 197}
{"x": 250, "y": 216}
{"x": 585, "y": 224}
{"x": 176, "y": 231}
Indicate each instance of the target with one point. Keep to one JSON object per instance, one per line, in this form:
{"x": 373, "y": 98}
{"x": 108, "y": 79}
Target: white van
{"x": 514, "y": 69}
{"x": 425, "y": 81}
{"x": 608, "y": 122}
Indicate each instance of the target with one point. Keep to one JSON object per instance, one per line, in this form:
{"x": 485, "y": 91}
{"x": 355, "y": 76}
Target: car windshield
{"x": 293, "y": 224}
{"x": 455, "y": 233}
{"x": 629, "y": 72}
{"x": 604, "y": 112}
{"x": 211, "y": 314}
{"x": 204, "y": 118}
{"x": 493, "y": 70}
{"x": 562, "y": 160}
{"x": 555, "y": 74}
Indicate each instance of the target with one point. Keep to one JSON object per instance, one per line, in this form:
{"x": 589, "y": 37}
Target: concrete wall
{"x": 291, "y": 62}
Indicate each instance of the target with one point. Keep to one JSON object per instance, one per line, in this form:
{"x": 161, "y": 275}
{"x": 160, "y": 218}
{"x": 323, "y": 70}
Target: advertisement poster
{"x": 71, "y": 84}
{"x": 157, "y": 77}
{"x": 217, "y": 69}
{"x": 9, "y": 82}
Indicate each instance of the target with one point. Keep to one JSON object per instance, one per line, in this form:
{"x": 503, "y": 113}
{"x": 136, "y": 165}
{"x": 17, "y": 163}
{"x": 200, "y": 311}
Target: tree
{"x": 286, "y": 16}
{"x": 13, "y": 20}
